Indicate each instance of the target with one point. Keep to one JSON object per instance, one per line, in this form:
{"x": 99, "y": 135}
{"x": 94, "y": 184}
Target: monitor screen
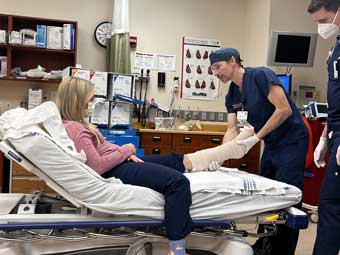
{"x": 322, "y": 108}
{"x": 286, "y": 81}
{"x": 291, "y": 49}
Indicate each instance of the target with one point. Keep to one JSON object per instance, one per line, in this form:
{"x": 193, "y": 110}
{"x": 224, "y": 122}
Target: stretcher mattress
{"x": 224, "y": 194}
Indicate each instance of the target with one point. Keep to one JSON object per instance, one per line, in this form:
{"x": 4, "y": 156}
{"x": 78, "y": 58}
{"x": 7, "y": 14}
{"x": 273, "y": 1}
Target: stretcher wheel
{"x": 263, "y": 246}
{"x": 148, "y": 248}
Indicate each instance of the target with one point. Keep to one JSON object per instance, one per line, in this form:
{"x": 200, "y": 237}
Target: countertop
{"x": 208, "y": 128}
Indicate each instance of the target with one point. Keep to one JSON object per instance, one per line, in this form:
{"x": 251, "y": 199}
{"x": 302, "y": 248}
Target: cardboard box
{"x": 15, "y": 37}
{"x": 29, "y": 37}
{"x": 68, "y": 37}
{"x": 3, "y": 66}
{"x": 41, "y": 36}
{"x": 54, "y": 37}
{"x": 99, "y": 79}
{"x": 3, "y": 36}
{"x": 34, "y": 98}
{"x": 76, "y": 72}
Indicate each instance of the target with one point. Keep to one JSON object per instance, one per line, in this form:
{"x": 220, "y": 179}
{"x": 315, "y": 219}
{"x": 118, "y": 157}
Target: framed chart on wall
{"x": 198, "y": 81}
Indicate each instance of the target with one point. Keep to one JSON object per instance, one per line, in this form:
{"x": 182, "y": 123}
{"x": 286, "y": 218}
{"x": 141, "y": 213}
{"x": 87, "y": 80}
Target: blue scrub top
{"x": 254, "y": 99}
{"x": 333, "y": 94}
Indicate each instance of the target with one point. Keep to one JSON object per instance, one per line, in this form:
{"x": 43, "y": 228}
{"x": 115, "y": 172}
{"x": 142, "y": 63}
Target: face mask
{"x": 90, "y": 107}
{"x": 327, "y": 30}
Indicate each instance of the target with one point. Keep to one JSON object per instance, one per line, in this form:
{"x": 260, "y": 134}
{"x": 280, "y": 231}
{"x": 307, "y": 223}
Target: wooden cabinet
{"x": 162, "y": 143}
{"x": 29, "y": 57}
{"x": 24, "y": 181}
{"x": 250, "y": 162}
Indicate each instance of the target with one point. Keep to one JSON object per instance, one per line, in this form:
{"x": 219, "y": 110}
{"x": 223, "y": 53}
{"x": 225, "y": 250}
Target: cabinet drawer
{"x": 208, "y": 141}
{"x": 156, "y": 150}
{"x": 184, "y": 150}
{"x": 19, "y": 170}
{"x": 186, "y": 140}
{"x": 245, "y": 164}
{"x": 27, "y": 185}
{"x": 149, "y": 139}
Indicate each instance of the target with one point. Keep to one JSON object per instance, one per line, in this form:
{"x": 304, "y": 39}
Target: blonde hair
{"x": 72, "y": 98}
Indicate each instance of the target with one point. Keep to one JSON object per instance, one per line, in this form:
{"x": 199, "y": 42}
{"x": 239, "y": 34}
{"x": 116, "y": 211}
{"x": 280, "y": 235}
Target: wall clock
{"x": 102, "y": 31}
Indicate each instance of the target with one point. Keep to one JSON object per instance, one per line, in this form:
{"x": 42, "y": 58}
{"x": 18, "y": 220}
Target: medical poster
{"x": 198, "y": 81}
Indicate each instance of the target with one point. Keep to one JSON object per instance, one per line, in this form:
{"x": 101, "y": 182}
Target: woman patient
{"x": 162, "y": 173}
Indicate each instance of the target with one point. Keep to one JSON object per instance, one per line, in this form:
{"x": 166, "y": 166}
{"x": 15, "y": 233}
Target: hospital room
{"x": 195, "y": 127}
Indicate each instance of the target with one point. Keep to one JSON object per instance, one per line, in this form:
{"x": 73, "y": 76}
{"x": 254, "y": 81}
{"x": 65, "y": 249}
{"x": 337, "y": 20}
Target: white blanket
{"x": 223, "y": 194}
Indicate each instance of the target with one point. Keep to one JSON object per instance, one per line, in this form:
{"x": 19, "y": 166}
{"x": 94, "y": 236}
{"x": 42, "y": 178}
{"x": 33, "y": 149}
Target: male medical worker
{"x": 256, "y": 96}
{"x": 326, "y": 13}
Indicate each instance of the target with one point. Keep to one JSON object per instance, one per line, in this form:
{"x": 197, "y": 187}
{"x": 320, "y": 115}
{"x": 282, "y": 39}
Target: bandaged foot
{"x": 201, "y": 160}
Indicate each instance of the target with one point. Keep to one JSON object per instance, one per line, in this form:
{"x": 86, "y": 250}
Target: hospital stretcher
{"x": 38, "y": 223}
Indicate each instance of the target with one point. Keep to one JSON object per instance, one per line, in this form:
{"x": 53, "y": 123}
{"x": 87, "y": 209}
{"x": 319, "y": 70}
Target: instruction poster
{"x": 198, "y": 81}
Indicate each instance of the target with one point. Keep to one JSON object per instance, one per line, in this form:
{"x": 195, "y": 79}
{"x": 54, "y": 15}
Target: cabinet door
{"x": 186, "y": 140}
{"x": 250, "y": 162}
{"x": 208, "y": 141}
{"x": 27, "y": 185}
{"x": 184, "y": 150}
{"x": 156, "y": 150}
{"x": 155, "y": 139}
{"x": 18, "y": 170}
{"x": 25, "y": 182}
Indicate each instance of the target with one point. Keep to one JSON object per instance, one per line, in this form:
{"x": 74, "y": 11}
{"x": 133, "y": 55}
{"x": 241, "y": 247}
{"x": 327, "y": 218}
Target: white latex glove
{"x": 338, "y": 156}
{"x": 320, "y": 152}
{"x": 249, "y": 142}
{"x": 214, "y": 165}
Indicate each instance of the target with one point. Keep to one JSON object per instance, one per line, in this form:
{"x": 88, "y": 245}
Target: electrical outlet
{"x": 220, "y": 116}
{"x": 195, "y": 115}
{"x": 212, "y": 116}
{"x": 187, "y": 115}
{"x": 203, "y": 116}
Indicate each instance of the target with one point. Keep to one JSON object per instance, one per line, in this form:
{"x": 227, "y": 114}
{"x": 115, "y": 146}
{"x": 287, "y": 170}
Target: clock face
{"x": 102, "y": 31}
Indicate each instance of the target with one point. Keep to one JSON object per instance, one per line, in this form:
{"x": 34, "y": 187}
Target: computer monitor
{"x": 286, "y": 81}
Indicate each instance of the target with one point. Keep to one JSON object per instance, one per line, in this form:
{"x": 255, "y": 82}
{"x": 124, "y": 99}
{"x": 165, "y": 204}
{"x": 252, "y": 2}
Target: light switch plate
{"x": 203, "y": 116}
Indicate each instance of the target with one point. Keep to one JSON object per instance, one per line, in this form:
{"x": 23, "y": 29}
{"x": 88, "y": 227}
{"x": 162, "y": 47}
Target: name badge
{"x": 242, "y": 117}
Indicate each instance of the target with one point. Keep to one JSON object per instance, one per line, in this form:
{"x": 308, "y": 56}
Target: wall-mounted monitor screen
{"x": 291, "y": 49}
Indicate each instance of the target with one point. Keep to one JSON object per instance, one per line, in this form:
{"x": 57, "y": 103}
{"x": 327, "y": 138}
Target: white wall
{"x": 160, "y": 26}
{"x": 256, "y": 29}
{"x": 292, "y": 15}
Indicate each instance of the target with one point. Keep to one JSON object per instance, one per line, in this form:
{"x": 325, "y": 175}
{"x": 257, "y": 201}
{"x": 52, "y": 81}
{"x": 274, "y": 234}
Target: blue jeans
{"x": 164, "y": 174}
{"x": 285, "y": 163}
{"x": 328, "y": 233}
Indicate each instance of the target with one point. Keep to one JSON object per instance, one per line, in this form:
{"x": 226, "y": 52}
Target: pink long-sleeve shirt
{"x": 102, "y": 156}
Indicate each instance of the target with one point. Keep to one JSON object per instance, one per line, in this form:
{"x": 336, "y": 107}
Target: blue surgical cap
{"x": 223, "y": 54}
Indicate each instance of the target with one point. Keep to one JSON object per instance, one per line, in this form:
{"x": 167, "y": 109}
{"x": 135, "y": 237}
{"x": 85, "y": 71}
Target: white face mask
{"x": 327, "y": 30}
{"x": 91, "y": 107}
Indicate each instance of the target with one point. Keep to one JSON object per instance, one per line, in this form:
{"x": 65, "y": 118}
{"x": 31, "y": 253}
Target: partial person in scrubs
{"x": 256, "y": 96}
{"x": 326, "y": 13}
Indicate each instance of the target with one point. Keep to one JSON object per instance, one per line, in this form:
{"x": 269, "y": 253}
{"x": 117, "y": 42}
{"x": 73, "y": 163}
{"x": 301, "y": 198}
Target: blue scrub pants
{"x": 285, "y": 163}
{"x": 328, "y": 233}
{"x": 162, "y": 173}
